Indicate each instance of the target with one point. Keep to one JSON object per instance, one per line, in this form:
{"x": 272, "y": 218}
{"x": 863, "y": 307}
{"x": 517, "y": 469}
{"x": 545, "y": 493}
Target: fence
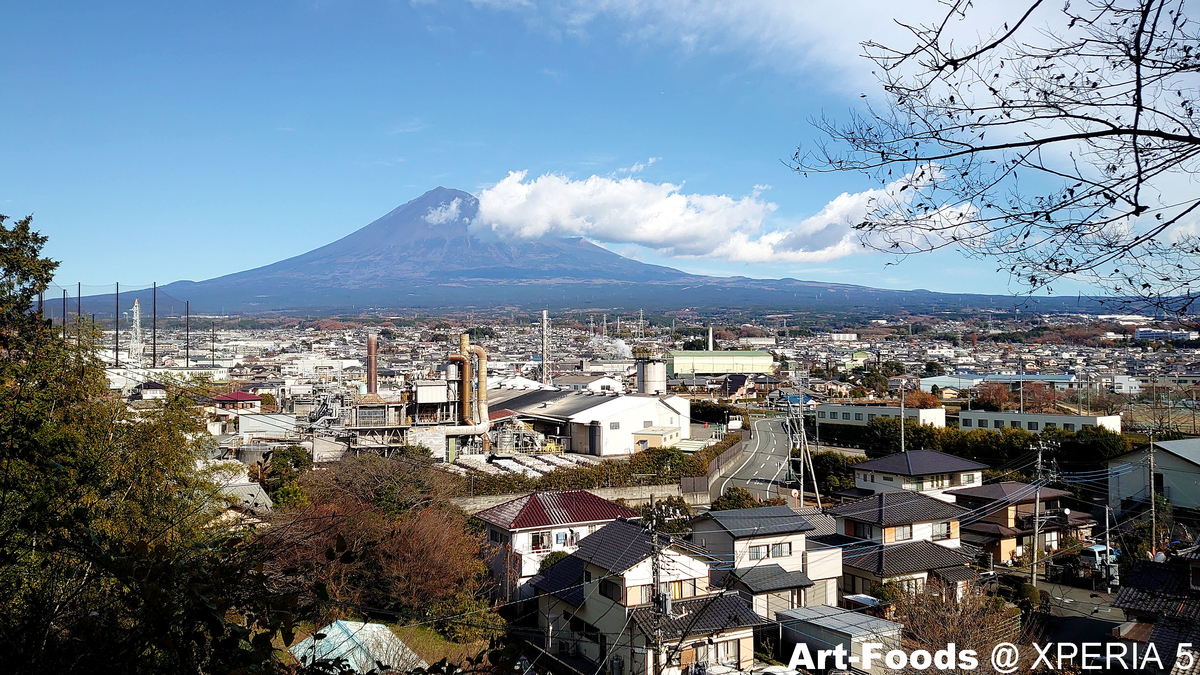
{"x": 715, "y": 467}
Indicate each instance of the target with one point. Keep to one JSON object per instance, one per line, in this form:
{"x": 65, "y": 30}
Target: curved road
{"x": 763, "y": 466}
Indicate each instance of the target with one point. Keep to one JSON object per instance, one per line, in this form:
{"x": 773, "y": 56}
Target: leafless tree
{"x": 1064, "y": 146}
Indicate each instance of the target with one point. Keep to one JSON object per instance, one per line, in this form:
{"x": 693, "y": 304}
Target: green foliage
{"x": 888, "y": 592}
{"x": 740, "y": 498}
{"x": 835, "y": 471}
{"x": 552, "y": 558}
{"x": 671, "y": 514}
{"x": 695, "y": 345}
{"x": 933, "y": 369}
{"x": 111, "y": 557}
{"x": 1074, "y": 450}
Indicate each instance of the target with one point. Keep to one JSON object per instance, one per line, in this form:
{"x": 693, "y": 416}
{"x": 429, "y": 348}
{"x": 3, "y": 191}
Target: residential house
{"x": 238, "y": 400}
{"x": 902, "y": 537}
{"x": 929, "y": 472}
{"x": 525, "y": 530}
{"x": 1002, "y": 523}
{"x": 1161, "y": 602}
{"x": 1176, "y": 464}
{"x": 599, "y": 605}
{"x": 765, "y": 556}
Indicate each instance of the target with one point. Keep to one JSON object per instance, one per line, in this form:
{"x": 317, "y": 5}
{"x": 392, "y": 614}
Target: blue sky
{"x": 160, "y": 141}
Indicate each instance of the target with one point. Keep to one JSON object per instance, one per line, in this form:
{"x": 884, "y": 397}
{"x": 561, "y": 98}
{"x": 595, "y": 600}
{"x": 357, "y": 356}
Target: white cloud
{"x": 407, "y": 127}
{"x": 445, "y": 213}
{"x": 662, "y": 217}
{"x": 802, "y": 37}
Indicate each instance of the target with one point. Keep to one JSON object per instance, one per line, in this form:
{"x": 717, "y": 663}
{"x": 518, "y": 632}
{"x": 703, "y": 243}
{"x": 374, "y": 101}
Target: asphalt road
{"x": 763, "y": 467}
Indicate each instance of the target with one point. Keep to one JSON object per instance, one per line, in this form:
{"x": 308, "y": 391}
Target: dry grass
{"x": 432, "y": 647}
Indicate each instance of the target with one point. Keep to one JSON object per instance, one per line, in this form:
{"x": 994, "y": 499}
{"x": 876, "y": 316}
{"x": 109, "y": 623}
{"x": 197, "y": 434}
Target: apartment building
{"x": 1035, "y": 422}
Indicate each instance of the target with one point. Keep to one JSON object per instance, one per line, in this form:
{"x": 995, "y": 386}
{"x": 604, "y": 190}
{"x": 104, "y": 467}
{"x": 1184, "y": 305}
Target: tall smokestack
{"x": 710, "y": 340}
{"x": 372, "y": 364}
{"x": 545, "y": 346}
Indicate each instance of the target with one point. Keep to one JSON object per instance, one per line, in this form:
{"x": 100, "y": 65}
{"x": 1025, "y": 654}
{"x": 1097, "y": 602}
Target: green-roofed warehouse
{"x": 718, "y": 363}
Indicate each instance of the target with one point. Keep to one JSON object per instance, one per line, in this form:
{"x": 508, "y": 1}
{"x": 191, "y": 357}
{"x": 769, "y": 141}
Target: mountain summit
{"x": 424, "y": 244}
{"x": 425, "y": 254}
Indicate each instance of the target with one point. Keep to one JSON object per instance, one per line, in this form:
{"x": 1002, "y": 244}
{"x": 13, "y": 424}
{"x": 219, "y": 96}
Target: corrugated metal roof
{"x": 845, "y": 621}
{"x": 549, "y": 509}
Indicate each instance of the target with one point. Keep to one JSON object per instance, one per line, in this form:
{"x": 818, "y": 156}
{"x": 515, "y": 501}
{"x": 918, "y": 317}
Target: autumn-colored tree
{"x": 1041, "y": 398}
{"x": 921, "y": 399}
{"x": 993, "y": 396}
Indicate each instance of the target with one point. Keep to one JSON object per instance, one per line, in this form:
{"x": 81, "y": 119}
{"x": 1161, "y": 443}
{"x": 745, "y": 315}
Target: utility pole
{"x": 1153, "y": 502}
{"x": 1037, "y": 507}
{"x": 214, "y": 344}
{"x": 1107, "y": 551}
{"x": 187, "y": 333}
{"x": 659, "y": 601}
{"x": 902, "y": 416}
{"x": 79, "y": 307}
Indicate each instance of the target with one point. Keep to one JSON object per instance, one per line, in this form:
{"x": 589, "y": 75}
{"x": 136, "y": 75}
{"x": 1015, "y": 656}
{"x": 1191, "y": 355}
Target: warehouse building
{"x": 719, "y": 362}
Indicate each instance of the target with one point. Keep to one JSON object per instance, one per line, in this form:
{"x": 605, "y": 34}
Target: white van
{"x": 1095, "y": 556}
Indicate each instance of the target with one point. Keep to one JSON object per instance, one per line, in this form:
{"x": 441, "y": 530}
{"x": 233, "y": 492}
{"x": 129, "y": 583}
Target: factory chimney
{"x": 372, "y": 364}
{"x": 710, "y": 340}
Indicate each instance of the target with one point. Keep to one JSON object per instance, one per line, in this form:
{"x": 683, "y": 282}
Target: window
{"x": 966, "y": 422}
{"x": 587, "y": 576}
{"x": 647, "y": 424}
{"x": 845, "y": 416}
{"x": 863, "y": 530}
{"x": 888, "y": 478}
{"x": 858, "y": 416}
{"x": 903, "y": 532}
{"x": 968, "y": 479}
{"x": 1052, "y": 540}
{"x": 684, "y": 588}
{"x": 560, "y": 538}
{"x": 1032, "y": 426}
{"x": 728, "y": 653}
{"x": 1051, "y": 425}
{"x": 781, "y": 550}
{"x": 494, "y": 536}
{"x": 540, "y": 541}
{"x": 610, "y": 590}
{"x": 912, "y": 418}
{"x": 821, "y": 414}
{"x": 871, "y": 416}
{"x": 758, "y": 552}
{"x": 941, "y": 531}
{"x": 614, "y": 425}
{"x": 998, "y": 424}
{"x": 1016, "y": 424}
{"x": 1069, "y": 426}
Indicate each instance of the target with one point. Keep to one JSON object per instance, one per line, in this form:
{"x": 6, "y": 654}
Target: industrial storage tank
{"x": 651, "y": 376}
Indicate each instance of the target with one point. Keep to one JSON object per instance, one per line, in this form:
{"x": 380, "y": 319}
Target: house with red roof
{"x": 239, "y": 400}
{"x": 525, "y": 530}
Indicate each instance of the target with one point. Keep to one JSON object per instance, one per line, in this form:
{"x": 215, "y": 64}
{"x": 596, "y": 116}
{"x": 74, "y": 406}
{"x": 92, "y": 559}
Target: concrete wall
{"x": 633, "y": 496}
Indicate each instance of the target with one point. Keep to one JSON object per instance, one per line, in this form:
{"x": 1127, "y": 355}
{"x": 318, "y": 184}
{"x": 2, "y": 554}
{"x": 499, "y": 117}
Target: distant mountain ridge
{"x": 423, "y": 255}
